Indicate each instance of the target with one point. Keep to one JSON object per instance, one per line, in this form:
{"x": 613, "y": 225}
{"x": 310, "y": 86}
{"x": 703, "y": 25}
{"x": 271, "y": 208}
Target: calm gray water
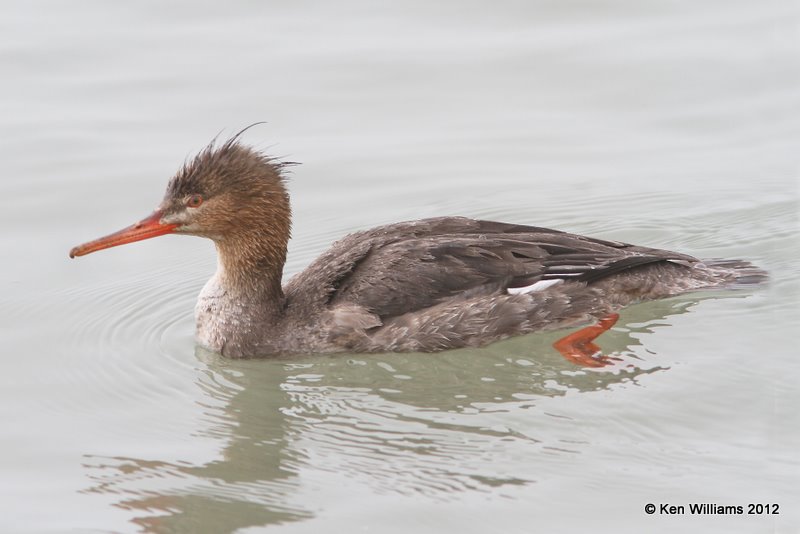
{"x": 671, "y": 124}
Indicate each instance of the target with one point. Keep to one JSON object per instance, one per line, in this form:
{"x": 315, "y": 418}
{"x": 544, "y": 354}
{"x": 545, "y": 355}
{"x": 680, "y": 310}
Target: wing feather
{"x": 396, "y": 269}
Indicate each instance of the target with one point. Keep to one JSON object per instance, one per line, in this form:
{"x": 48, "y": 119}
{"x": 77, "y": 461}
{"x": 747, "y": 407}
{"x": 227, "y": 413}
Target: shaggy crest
{"x": 230, "y": 167}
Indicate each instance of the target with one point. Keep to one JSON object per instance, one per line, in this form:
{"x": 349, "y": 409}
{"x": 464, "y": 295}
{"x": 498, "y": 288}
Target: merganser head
{"x": 230, "y": 193}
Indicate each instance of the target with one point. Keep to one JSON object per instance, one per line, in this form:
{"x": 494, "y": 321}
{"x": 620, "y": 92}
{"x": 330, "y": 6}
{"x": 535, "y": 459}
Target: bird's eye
{"x": 194, "y": 201}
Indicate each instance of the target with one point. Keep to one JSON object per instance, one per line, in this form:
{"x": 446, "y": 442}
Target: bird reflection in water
{"x": 408, "y": 424}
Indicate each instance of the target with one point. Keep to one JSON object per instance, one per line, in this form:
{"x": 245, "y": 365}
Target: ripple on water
{"x": 156, "y": 488}
{"x": 422, "y": 424}
{"x": 391, "y": 449}
{"x": 131, "y": 338}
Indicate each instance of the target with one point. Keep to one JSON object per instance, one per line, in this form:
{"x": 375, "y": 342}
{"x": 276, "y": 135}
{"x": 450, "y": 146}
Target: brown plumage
{"x": 425, "y": 285}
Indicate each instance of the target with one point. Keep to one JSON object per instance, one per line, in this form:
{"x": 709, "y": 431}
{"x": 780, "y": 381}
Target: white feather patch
{"x": 541, "y": 285}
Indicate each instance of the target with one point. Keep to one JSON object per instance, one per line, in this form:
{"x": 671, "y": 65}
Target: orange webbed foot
{"x": 579, "y": 348}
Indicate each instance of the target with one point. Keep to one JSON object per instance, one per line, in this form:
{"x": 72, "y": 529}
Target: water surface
{"x": 668, "y": 124}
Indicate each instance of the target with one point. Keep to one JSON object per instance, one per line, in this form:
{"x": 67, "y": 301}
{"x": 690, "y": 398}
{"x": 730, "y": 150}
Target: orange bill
{"x": 144, "y": 229}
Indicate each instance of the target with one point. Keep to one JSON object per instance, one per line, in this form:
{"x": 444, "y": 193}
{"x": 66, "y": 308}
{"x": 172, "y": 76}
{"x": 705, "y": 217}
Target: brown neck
{"x": 251, "y": 267}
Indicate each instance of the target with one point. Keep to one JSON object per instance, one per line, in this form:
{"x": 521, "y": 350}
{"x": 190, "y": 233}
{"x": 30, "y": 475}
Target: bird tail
{"x": 738, "y": 274}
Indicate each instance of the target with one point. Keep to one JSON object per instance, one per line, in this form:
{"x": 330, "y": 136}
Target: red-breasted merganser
{"x": 421, "y": 286}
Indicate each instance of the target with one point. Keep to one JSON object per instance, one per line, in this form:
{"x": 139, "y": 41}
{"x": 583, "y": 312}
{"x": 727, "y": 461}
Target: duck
{"x": 427, "y": 285}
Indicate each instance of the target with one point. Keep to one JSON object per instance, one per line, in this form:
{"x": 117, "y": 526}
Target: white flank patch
{"x": 541, "y": 285}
